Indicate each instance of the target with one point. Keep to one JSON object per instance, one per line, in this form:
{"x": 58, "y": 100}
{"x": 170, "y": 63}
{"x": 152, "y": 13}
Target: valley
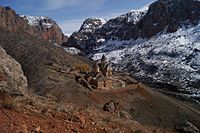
{"x": 135, "y": 73}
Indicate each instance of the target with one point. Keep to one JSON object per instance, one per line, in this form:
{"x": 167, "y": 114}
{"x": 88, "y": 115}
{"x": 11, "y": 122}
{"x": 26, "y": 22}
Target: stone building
{"x": 102, "y": 83}
{"x": 101, "y": 75}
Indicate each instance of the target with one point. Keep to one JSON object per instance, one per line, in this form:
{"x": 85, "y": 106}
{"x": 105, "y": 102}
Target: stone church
{"x": 101, "y": 75}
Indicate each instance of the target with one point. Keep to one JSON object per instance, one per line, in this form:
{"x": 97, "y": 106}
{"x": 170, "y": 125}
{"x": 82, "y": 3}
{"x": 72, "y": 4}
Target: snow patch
{"x": 36, "y": 21}
{"x": 72, "y": 50}
{"x": 136, "y": 15}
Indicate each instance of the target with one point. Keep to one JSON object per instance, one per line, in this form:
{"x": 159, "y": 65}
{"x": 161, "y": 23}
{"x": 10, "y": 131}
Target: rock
{"x": 111, "y": 106}
{"x": 37, "y": 130}
{"x": 124, "y": 114}
{"x": 187, "y": 127}
{"x": 12, "y": 79}
{"x": 171, "y": 13}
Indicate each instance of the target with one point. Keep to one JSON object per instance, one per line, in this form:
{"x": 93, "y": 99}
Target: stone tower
{"x": 96, "y": 68}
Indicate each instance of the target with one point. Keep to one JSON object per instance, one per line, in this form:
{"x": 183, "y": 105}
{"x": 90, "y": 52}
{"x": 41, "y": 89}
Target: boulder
{"x": 111, "y": 106}
{"x": 12, "y": 79}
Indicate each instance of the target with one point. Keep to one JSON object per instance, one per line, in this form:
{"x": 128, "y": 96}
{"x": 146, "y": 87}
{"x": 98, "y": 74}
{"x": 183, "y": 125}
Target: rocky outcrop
{"x": 46, "y": 28}
{"x": 12, "y": 79}
{"x": 41, "y": 27}
{"x": 111, "y": 106}
{"x": 169, "y": 15}
{"x": 81, "y": 38}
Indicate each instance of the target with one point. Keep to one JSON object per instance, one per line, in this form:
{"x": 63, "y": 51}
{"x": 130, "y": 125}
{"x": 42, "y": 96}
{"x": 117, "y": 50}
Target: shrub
{"x": 84, "y": 68}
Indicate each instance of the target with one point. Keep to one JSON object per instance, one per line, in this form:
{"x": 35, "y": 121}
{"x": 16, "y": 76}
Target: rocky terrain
{"x": 158, "y": 45}
{"x": 39, "y": 91}
{"x": 42, "y": 27}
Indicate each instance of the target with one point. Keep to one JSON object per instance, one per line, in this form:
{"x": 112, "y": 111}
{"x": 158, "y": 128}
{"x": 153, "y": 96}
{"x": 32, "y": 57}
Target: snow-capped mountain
{"x": 37, "y": 21}
{"x": 80, "y": 38}
{"x": 91, "y": 24}
{"x": 158, "y": 44}
{"x": 95, "y": 31}
{"x": 46, "y": 28}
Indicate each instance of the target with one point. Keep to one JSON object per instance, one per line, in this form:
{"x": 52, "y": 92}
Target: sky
{"x": 69, "y": 14}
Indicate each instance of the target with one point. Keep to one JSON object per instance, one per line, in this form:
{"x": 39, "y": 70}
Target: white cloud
{"x": 69, "y": 26}
{"x": 57, "y": 4}
{"x": 82, "y": 4}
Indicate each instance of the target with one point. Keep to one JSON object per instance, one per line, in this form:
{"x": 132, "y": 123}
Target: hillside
{"x": 41, "y": 62}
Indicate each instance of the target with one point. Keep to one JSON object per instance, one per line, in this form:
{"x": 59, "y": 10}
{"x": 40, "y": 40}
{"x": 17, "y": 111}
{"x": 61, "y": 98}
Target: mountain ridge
{"x": 14, "y": 22}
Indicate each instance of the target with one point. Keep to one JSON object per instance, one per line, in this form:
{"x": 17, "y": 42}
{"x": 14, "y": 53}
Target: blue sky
{"x": 69, "y": 14}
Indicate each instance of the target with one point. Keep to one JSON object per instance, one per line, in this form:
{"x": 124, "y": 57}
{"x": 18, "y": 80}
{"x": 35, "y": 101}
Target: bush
{"x": 84, "y": 68}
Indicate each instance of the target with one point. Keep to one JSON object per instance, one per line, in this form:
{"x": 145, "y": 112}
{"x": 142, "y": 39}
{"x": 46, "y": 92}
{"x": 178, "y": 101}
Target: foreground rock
{"x": 111, "y": 106}
{"x": 12, "y": 79}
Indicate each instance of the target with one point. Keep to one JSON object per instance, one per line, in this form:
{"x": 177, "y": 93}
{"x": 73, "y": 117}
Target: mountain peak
{"x": 91, "y": 24}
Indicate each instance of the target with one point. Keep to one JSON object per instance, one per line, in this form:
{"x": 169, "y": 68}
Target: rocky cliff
{"x": 46, "y": 28}
{"x": 42, "y": 27}
{"x": 12, "y": 79}
{"x": 81, "y": 38}
{"x": 169, "y": 15}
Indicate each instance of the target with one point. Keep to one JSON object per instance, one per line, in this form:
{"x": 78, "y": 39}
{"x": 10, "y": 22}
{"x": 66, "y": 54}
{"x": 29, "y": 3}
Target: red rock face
{"x": 12, "y": 21}
{"x": 1, "y": 77}
{"x": 169, "y": 13}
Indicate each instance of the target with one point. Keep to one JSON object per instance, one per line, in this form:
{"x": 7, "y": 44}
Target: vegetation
{"x": 83, "y": 68}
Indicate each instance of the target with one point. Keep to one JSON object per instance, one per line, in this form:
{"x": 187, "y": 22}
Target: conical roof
{"x": 103, "y": 58}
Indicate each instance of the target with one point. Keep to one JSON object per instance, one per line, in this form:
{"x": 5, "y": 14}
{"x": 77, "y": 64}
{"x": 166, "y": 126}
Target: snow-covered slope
{"x": 168, "y": 58}
{"x": 135, "y": 15}
{"x": 72, "y": 50}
